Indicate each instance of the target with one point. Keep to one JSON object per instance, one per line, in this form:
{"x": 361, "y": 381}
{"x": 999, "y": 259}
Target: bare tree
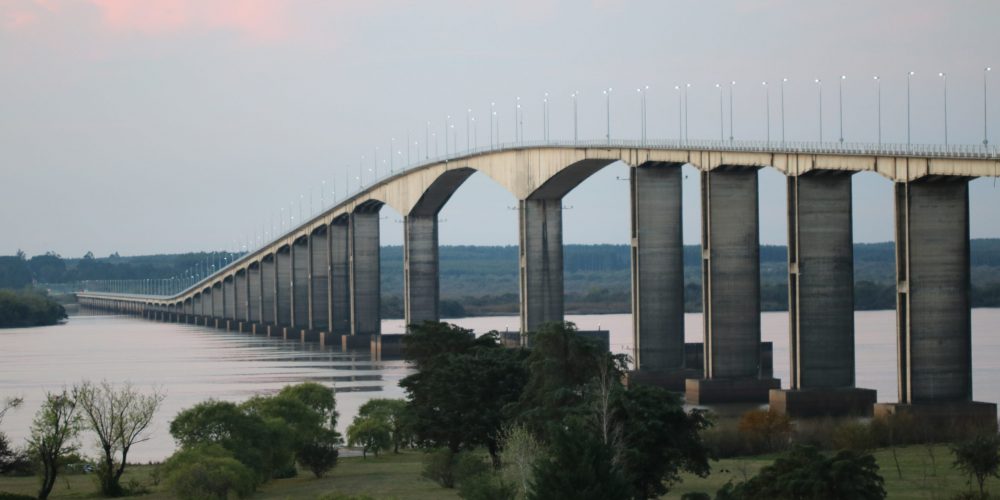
{"x": 120, "y": 417}
{"x": 55, "y": 426}
{"x": 520, "y": 451}
{"x": 9, "y": 404}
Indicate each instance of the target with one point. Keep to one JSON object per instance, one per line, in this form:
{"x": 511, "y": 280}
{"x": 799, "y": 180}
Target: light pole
{"x": 783, "y": 82}
{"x": 545, "y": 117}
{"x": 475, "y": 138}
{"x": 607, "y": 95}
{"x": 642, "y": 116}
{"x": 575, "y": 116}
{"x": 493, "y": 114}
{"x": 986, "y": 140}
{"x": 392, "y": 147}
{"x": 908, "y": 77}
{"x": 767, "y": 110}
{"x": 427, "y": 142}
{"x": 944, "y": 79}
{"x": 732, "y": 87}
{"x": 518, "y": 124}
{"x": 722, "y": 131}
{"x": 680, "y": 116}
{"x": 820, "y": 84}
{"x": 840, "y": 99}
{"x": 878, "y": 107}
{"x": 468, "y": 128}
{"x": 447, "y": 123}
{"x": 686, "y": 111}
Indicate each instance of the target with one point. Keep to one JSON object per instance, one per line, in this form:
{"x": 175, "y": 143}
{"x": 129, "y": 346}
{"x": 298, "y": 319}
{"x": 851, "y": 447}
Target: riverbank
{"x": 27, "y": 308}
{"x": 924, "y": 472}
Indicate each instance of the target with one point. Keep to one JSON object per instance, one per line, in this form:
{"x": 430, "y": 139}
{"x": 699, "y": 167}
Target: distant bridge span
{"x": 324, "y": 274}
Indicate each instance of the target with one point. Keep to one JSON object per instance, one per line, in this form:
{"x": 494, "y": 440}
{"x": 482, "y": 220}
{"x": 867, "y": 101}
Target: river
{"x": 192, "y": 364}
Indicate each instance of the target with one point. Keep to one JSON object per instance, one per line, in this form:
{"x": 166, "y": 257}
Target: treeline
{"x": 25, "y": 308}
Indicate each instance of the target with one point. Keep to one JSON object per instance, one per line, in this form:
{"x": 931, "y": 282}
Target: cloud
{"x": 262, "y": 20}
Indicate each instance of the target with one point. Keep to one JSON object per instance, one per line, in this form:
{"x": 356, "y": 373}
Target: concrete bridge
{"x": 321, "y": 280}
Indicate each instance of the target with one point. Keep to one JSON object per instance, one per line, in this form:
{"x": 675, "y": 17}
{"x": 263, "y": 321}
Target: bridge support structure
{"x": 340, "y": 277}
{"x": 657, "y": 247}
{"x": 300, "y": 284}
{"x": 283, "y": 286}
{"x": 365, "y": 293}
{"x": 541, "y": 262}
{"x": 730, "y": 290}
{"x": 421, "y": 282}
{"x": 821, "y": 300}
{"x": 319, "y": 280}
{"x": 933, "y": 316}
{"x": 269, "y": 286}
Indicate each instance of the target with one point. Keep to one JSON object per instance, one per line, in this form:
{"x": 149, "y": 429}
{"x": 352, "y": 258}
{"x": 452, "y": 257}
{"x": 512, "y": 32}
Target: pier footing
{"x": 823, "y": 402}
{"x": 729, "y": 390}
{"x": 952, "y": 416}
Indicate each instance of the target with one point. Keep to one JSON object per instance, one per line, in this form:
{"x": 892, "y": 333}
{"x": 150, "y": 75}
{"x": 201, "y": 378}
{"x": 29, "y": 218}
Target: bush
{"x": 320, "y": 454}
{"x": 486, "y": 486}
{"x": 208, "y": 472}
{"x": 979, "y": 457}
{"x": 14, "y": 496}
{"x": 765, "y": 430}
{"x": 448, "y": 468}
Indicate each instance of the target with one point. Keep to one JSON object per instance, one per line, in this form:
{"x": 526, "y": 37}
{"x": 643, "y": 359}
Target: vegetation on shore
{"x": 24, "y": 308}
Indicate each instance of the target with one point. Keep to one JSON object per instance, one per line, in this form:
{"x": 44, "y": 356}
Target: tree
{"x": 520, "y": 450}
{"x": 372, "y": 434}
{"x": 766, "y": 430}
{"x": 207, "y": 472}
{"x": 578, "y": 466}
{"x": 979, "y": 457}
{"x": 806, "y": 473}
{"x": 320, "y": 453}
{"x": 120, "y": 417}
{"x": 317, "y": 397}
{"x": 460, "y": 392}
{"x": 394, "y": 413}
{"x": 52, "y": 433}
{"x": 8, "y": 456}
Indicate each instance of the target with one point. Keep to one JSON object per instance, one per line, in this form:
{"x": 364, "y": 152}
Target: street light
{"x": 908, "y": 77}
{"x": 732, "y": 87}
{"x": 878, "y": 107}
{"x": 841, "y": 103}
{"x": 642, "y": 116}
{"x": 986, "y": 140}
{"x": 680, "y": 115}
{"x": 493, "y": 114}
{"x": 686, "y": 111}
{"x": 944, "y": 79}
{"x": 545, "y": 117}
{"x": 783, "y": 82}
{"x": 607, "y": 95}
{"x": 722, "y": 131}
{"x": 767, "y": 110}
{"x": 447, "y": 123}
{"x": 427, "y": 142}
{"x": 392, "y": 147}
{"x": 575, "y": 129}
{"x": 468, "y": 126}
{"x": 820, "y": 84}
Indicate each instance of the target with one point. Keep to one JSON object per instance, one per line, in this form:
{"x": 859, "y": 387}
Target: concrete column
{"x": 933, "y": 317}
{"x": 218, "y": 301}
{"x": 254, "y": 292}
{"x": 658, "y": 274}
{"x": 241, "y": 296}
{"x": 300, "y": 283}
{"x": 229, "y": 294}
{"x": 319, "y": 280}
{"x": 283, "y": 288}
{"x": 196, "y": 305}
{"x": 821, "y": 300}
{"x": 364, "y": 260}
{"x": 340, "y": 278}
{"x": 541, "y": 262}
{"x": 730, "y": 290}
{"x": 421, "y": 286}
{"x": 269, "y": 284}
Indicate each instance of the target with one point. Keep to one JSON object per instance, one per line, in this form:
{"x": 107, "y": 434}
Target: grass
{"x": 927, "y": 473}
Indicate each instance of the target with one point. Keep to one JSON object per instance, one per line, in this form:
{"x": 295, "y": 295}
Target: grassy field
{"x": 926, "y": 474}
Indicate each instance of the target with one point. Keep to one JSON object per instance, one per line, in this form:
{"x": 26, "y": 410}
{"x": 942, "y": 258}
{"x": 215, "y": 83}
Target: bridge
{"x": 321, "y": 279}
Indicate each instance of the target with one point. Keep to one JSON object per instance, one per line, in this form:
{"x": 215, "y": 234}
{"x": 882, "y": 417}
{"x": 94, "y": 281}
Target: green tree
{"x": 806, "y": 473}
{"x": 394, "y": 413}
{"x": 207, "y": 472}
{"x": 53, "y": 431}
{"x": 320, "y": 453}
{"x": 120, "y": 417}
{"x": 316, "y": 396}
{"x": 9, "y": 457}
{"x": 979, "y": 457}
{"x": 372, "y": 434}
{"x": 578, "y": 466}
{"x": 459, "y": 394}
{"x": 258, "y": 443}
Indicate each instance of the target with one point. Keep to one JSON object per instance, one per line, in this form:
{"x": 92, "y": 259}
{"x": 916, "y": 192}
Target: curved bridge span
{"x": 323, "y": 276}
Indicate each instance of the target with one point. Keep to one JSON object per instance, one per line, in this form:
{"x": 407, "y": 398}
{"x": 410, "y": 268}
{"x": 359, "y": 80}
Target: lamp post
{"x": 767, "y": 110}
{"x": 517, "y": 120}
{"x": 680, "y": 116}
{"x": 783, "y": 82}
{"x": 908, "y": 78}
{"x": 986, "y": 140}
{"x": 878, "y": 107}
{"x": 392, "y": 147}
{"x": 475, "y": 139}
{"x": 819, "y": 83}
{"x": 840, "y": 101}
{"x": 642, "y": 116}
{"x": 607, "y": 95}
{"x": 722, "y": 131}
{"x": 944, "y": 79}
{"x": 427, "y": 142}
{"x": 575, "y": 117}
{"x": 493, "y": 114}
{"x": 468, "y": 128}
{"x": 732, "y": 88}
{"x": 686, "y": 111}
{"x": 447, "y": 123}
{"x": 545, "y": 117}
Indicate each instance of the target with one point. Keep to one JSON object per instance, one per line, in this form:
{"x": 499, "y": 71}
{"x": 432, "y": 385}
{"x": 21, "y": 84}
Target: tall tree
{"x": 52, "y": 434}
{"x": 120, "y": 417}
{"x": 395, "y": 414}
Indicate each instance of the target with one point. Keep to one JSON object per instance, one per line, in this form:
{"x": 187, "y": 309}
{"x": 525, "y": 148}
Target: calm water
{"x": 192, "y": 364}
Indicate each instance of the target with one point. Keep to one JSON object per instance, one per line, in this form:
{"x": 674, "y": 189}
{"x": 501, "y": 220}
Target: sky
{"x": 162, "y": 126}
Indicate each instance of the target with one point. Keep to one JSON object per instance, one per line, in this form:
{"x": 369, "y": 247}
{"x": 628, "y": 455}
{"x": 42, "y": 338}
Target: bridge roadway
{"x": 322, "y": 278}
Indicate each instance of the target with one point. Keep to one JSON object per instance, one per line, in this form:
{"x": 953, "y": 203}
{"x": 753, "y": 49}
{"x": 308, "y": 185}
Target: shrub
{"x": 979, "y": 457}
{"x": 208, "y": 472}
{"x": 14, "y": 496}
{"x": 766, "y": 430}
{"x": 448, "y": 468}
{"x": 486, "y": 486}
{"x": 320, "y": 454}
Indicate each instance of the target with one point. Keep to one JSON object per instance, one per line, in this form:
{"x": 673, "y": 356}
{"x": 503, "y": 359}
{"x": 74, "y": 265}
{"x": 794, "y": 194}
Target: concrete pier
{"x": 364, "y": 260}
{"x": 254, "y": 292}
{"x": 319, "y": 280}
{"x": 541, "y": 262}
{"x": 229, "y": 298}
{"x": 242, "y": 296}
{"x": 300, "y": 283}
{"x": 821, "y": 300}
{"x": 340, "y": 277}
{"x": 933, "y": 317}
{"x": 420, "y": 269}
{"x": 283, "y": 286}
{"x": 269, "y": 283}
{"x": 658, "y": 276}
{"x": 730, "y": 290}
{"x": 218, "y": 301}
